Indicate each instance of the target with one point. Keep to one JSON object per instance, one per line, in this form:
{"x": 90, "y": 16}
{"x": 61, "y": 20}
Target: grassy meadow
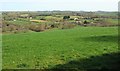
{"x": 44, "y": 50}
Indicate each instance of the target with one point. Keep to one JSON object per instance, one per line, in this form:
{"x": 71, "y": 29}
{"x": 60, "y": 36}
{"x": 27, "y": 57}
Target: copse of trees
{"x": 66, "y": 17}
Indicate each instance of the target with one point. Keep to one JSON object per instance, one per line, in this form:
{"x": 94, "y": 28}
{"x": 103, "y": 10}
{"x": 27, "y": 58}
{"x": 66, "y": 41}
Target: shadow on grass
{"x": 105, "y": 62}
{"x": 104, "y": 38}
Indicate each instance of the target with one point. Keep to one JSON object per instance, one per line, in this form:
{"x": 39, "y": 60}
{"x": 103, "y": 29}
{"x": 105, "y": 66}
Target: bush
{"x": 42, "y": 19}
{"x": 15, "y": 28}
{"x": 37, "y": 27}
{"x": 66, "y": 26}
{"x": 9, "y": 28}
{"x": 66, "y": 17}
{"x": 71, "y": 19}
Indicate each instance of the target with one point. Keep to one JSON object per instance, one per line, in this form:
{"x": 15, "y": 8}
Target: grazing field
{"x": 61, "y": 48}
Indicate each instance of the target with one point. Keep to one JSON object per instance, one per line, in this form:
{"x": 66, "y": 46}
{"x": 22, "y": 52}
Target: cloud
{"x": 86, "y": 5}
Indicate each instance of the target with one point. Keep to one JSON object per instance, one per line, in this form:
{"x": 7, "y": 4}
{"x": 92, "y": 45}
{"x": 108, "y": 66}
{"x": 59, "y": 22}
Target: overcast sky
{"x": 49, "y": 5}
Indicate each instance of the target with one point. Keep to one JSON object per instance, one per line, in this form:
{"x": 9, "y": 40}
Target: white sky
{"x": 73, "y": 5}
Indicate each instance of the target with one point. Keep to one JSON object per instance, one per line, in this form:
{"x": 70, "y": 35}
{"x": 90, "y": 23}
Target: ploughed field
{"x": 77, "y": 48}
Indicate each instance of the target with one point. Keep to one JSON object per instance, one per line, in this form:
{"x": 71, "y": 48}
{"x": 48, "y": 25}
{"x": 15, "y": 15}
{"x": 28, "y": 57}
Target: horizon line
{"x": 60, "y": 10}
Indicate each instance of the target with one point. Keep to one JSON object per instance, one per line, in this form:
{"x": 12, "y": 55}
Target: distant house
{"x": 14, "y": 20}
{"x": 24, "y": 16}
{"x": 76, "y": 19}
{"x": 30, "y": 17}
{"x": 78, "y": 22}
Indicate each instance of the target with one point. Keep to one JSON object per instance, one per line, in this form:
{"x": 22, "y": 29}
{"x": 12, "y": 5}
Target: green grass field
{"x": 59, "y": 47}
{"x": 113, "y": 21}
{"x": 19, "y": 22}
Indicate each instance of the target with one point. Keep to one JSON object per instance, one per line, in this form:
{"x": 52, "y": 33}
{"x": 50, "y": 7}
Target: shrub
{"x": 15, "y": 28}
{"x": 9, "y": 28}
{"x": 66, "y": 17}
{"x": 37, "y": 27}
{"x": 71, "y": 19}
{"x": 55, "y": 25}
{"x": 42, "y": 19}
{"x": 66, "y": 25}
{"x": 86, "y": 22}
